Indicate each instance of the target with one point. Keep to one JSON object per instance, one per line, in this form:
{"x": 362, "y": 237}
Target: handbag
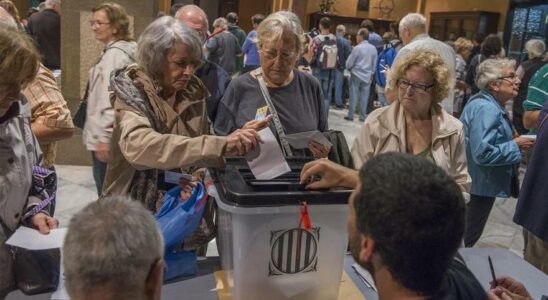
{"x": 177, "y": 221}
{"x": 79, "y": 118}
{"x": 37, "y": 271}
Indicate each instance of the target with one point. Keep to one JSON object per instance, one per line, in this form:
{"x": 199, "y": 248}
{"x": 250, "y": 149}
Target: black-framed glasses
{"x": 510, "y": 78}
{"x": 93, "y": 22}
{"x": 416, "y": 87}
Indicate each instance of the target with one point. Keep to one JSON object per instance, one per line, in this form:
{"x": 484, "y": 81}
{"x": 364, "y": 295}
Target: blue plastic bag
{"x": 177, "y": 220}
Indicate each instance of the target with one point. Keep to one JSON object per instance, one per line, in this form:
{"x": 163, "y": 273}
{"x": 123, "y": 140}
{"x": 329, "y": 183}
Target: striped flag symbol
{"x": 294, "y": 251}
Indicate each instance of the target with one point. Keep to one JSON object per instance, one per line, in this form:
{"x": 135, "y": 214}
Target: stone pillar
{"x": 79, "y": 51}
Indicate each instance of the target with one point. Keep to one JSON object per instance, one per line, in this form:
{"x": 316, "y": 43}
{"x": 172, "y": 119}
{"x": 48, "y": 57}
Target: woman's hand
{"x": 508, "y": 288}
{"x": 101, "y": 151}
{"x": 43, "y": 222}
{"x": 318, "y": 150}
{"x": 524, "y": 143}
{"x": 186, "y": 187}
{"x": 241, "y": 142}
{"x": 258, "y": 125}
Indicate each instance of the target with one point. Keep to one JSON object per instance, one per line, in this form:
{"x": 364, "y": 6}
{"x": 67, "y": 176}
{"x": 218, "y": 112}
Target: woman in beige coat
{"x": 416, "y": 123}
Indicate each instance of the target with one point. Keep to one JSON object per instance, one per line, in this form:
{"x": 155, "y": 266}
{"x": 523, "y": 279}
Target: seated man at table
{"x": 113, "y": 250}
{"x": 406, "y": 223}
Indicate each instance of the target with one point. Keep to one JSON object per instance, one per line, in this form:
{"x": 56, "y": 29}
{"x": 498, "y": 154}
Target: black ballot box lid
{"x": 237, "y": 186}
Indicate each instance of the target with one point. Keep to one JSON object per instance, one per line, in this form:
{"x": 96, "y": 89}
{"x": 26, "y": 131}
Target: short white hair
{"x": 535, "y": 47}
{"x": 341, "y": 29}
{"x": 112, "y": 244}
{"x": 6, "y": 20}
{"x": 491, "y": 70}
{"x": 280, "y": 23}
{"x": 412, "y": 21}
{"x": 52, "y": 3}
{"x": 220, "y": 22}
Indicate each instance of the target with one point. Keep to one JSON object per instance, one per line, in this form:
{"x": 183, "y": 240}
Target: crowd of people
{"x": 184, "y": 97}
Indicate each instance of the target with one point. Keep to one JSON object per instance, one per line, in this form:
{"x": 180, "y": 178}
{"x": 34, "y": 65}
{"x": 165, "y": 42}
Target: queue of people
{"x": 157, "y": 104}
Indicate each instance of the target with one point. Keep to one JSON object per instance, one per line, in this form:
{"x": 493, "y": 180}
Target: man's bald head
{"x": 194, "y": 17}
{"x": 6, "y": 19}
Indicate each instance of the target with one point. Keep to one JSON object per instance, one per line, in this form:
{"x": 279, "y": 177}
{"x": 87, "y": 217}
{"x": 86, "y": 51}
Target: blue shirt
{"x": 490, "y": 149}
{"x": 362, "y": 61}
{"x": 249, "y": 48}
{"x": 343, "y": 51}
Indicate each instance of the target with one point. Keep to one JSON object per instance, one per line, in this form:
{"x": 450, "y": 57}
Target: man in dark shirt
{"x": 45, "y": 28}
{"x": 215, "y": 78}
{"x": 239, "y": 33}
{"x": 406, "y": 223}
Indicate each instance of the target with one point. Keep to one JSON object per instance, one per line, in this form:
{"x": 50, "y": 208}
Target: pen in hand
{"x": 494, "y": 283}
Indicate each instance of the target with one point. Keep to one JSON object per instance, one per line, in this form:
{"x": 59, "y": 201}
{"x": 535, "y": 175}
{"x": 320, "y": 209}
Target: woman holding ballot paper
{"x": 278, "y": 90}
{"x": 161, "y": 118}
{"x": 416, "y": 123}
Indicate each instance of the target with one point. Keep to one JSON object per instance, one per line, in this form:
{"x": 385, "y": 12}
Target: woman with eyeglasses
{"x": 416, "y": 123}
{"x": 110, "y": 24}
{"x": 493, "y": 146}
{"x": 161, "y": 118}
{"x": 296, "y": 95}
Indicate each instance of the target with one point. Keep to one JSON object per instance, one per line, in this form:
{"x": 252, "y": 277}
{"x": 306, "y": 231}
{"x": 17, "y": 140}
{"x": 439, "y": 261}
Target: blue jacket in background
{"x": 490, "y": 149}
{"x": 343, "y": 51}
{"x": 249, "y": 48}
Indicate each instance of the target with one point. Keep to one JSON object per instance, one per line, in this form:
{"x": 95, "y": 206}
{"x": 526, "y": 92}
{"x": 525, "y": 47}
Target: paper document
{"x": 300, "y": 140}
{"x": 32, "y": 239}
{"x": 270, "y": 163}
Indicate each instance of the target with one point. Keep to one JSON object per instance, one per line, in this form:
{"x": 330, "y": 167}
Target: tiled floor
{"x": 76, "y": 189}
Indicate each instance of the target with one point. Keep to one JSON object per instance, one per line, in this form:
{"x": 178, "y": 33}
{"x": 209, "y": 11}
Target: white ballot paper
{"x": 32, "y": 239}
{"x": 270, "y": 163}
{"x": 300, "y": 140}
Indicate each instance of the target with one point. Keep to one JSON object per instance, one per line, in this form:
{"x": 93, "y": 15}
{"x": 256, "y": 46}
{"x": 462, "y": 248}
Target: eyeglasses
{"x": 510, "y": 78}
{"x": 92, "y": 23}
{"x": 183, "y": 64}
{"x": 415, "y": 87}
{"x": 285, "y": 56}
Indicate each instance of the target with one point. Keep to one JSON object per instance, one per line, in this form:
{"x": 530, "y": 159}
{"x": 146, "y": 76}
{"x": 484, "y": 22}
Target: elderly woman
{"x": 492, "y": 149}
{"x": 463, "y": 48}
{"x": 110, "y": 23}
{"x": 19, "y": 150}
{"x": 416, "y": 123}
{"x": 161, "y": 116}
{"x": 535, "y": 60}
{"x": 296, "y": 95}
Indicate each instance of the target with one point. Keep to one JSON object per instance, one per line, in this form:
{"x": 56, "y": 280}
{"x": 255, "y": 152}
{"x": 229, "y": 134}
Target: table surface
{"x": 205, "y": 286}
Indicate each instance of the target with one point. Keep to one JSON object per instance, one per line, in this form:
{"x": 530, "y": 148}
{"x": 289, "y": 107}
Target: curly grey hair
{"x": 111, "y": 244}
{"x": 278, "y": 23}
{"x": 158, "y": 38}
{"x": 535, "y": 47}
{"x": 491, "y": 69}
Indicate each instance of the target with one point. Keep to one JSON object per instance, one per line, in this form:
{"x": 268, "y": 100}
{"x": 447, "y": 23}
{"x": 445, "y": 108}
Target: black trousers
{"x": 477, "y": 212}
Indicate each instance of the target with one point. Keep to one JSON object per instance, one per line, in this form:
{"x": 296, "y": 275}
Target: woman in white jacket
{"x": 110, "y": 23}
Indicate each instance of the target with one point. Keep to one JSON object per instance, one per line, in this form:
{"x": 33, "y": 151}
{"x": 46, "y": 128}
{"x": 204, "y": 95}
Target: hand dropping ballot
{"x": 270, "y": 161}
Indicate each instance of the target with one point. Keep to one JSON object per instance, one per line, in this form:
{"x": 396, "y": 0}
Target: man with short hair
{"x": 45, "y": 28}
{"x": 343, "y": 51}
{"x": 361, "y": 63}
{"x": 215, "y": 78}
{"x": 414, "y": 37}
{"x": 249, "y": 48}
{"x": 239, "y": 33}
{"x": 113, "y": 249}
{"x": 223, "y": 47}
{"x": 325, "y": 59}
{"x": 411, "y": 252}
{"x": 374, "y": 38}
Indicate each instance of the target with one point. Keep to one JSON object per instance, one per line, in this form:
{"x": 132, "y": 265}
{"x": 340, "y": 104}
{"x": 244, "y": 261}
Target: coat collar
{"x": 393, "y": 119}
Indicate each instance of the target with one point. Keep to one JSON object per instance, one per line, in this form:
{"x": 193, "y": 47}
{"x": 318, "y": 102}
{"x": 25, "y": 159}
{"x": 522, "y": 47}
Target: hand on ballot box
{"x": 331, "y": 175}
